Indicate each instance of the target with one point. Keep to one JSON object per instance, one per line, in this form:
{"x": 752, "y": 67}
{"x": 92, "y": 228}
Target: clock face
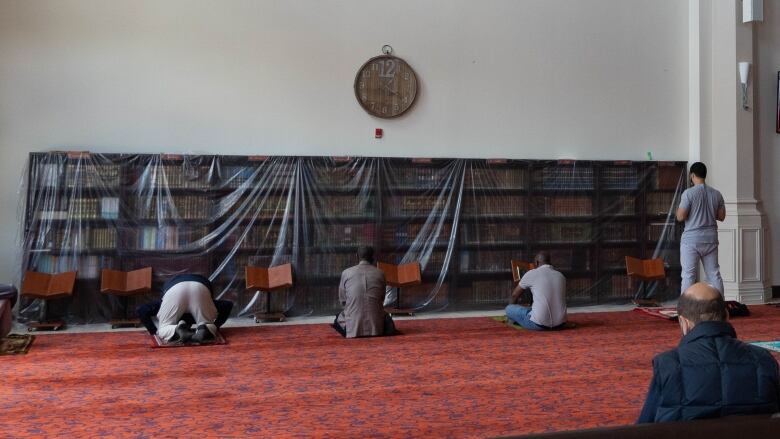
{"x": 386, "y": 86}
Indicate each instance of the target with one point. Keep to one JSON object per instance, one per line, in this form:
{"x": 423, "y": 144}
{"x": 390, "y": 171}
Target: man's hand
{"x": 721, "y": 213}
{"x": 517, "y": 294}
{"x": 682, "y": 214}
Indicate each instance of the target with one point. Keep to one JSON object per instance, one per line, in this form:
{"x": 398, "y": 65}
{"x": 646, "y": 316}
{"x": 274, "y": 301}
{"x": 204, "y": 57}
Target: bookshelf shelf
{"x": 123, "y": 212}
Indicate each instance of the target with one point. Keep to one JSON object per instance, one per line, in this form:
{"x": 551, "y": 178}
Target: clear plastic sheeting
{"x": 463, "y": 220}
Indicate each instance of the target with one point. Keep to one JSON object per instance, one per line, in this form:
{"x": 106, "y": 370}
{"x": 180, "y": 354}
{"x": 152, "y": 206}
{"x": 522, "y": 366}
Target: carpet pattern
{"x": 443, "y": 378}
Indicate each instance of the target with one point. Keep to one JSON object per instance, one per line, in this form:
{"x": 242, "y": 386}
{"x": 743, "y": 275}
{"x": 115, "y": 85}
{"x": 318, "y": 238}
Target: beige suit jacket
{"x": 362, "y": 292}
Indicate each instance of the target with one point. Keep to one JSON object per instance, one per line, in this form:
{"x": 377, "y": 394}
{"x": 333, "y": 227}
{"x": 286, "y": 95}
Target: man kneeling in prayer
{"x": 187, "y": 293}
{"x": 362, "y": 293}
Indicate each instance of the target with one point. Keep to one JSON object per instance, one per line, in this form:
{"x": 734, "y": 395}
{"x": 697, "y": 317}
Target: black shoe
{"x": 183, "y": 332}
{"x": 203, "y": 335}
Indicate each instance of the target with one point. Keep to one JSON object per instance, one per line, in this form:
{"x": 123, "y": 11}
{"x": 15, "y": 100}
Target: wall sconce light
{"x": 752, "y": 10}
{"x": 744, "y": 73}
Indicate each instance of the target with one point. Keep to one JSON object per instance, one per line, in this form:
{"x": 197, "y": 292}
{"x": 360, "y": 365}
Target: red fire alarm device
{"x": 378, "y": 133}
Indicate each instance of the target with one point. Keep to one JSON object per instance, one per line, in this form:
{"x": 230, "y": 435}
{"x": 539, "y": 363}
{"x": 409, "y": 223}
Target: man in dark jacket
{"x": 711, "y": 374}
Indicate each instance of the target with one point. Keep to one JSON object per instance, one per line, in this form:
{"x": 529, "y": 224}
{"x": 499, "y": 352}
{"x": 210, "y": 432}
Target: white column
{"x": 728, "y": 149}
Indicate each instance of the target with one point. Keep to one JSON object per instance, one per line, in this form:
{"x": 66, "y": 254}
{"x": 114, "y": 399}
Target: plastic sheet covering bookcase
{"x": 462, "y": 219}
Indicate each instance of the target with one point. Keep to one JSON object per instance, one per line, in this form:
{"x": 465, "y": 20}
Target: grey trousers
{"x": 707, "y": 253}
{"x": 186, "y": 297}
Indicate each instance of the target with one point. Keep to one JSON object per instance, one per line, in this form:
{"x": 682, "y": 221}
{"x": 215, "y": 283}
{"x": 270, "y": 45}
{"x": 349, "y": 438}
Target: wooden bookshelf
{"x": 219, "y": 214}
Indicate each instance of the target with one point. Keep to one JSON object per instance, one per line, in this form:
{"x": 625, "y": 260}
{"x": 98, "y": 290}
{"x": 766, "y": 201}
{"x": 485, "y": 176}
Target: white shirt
{"x": 548, "y": 287}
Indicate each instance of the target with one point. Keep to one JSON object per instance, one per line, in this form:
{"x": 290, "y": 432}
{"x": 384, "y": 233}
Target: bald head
{"x": 542, "y": 258}
{"x": 701, "y": 302}
{"x": 702, "y": 291}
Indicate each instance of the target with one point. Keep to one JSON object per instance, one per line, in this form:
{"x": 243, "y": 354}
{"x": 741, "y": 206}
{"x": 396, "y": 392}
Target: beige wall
{"x": 767, "y": 60}
{"x": 597, "y": 79}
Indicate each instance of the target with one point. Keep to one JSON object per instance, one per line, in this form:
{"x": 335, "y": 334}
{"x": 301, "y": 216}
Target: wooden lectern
{"x": 125, "y": 284}
{"x": 398, "y": 276}
{"x": 268, "y": 280}
{"x": 45, "y": 286}
{"x": 519, "y": 268}
{"x": 645, "y": 270}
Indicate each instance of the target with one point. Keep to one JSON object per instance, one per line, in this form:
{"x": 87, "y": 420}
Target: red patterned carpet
{"x": 444, "y": 378}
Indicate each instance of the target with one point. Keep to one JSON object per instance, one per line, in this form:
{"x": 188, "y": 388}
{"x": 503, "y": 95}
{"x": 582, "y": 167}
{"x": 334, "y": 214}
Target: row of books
{"x": 619, "y": 177}
{"x": 172, "y": 176}
{"x": 434, "y": 295}
{"x": 187, "y": 207}
{"x": 328, "y": 264}
{"x": 564, "y": 205}
{"x": 341, "y": 177}
{"x": 343, "y": 206}
{"x": 344, "y": 234}
{"x": 88, "y": 267}
{"x": 81, "y": 239}
{"x": 618, "y": 205}
{"x": 488, "y": 260}
{"x": 81, "y": 208}
{"x": 494, "y": 233}
{"x": 501, "y": 178}
{"x": 407, "y": 233}
{"x": 571, "y": 259}
{"x": 414, "y": 205}
{"x": 89, "y": 175}
{"x": 668, "y": 177}
{"x": 612, "y": 258}
{"x": 562, "y": 232}
{"x": 611, "y": 232}
{"x": 237, "y": 176}
{"x": 495, "y": 205}
{"x": 259, "y": 237}
{"x": 622, "y": 286}
{"x": 661, "y": 203}
{"x": 658, "y": 231}
{"x": 579, "y": 288}
{"x": 565, "y": 177}
{"x": 261, "y": 206}
{"x": 430, "y": 263}
{"x": 416, "y": 178}
{"x": 490, "y": 292}
{"x": 167, "y": 237}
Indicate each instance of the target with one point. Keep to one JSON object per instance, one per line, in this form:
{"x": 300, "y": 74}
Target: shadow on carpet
{"x": 16, "y": 344}
{"x": 158, "y": 343}
{"x": 504, "y": 320}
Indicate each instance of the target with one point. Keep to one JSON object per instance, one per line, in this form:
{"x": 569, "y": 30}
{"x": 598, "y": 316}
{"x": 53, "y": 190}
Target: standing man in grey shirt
{"x": 700, "y": 207}
{"x": 548, "y": 287}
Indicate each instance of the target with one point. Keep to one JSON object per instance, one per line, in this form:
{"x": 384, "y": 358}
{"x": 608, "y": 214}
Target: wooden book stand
{"x": 45, "y": 286}
{"x": 403, "y": 275}
{"x": 645, "y": 270}
{"x": 519, "y": 268}
{"x": 268, "y": 280}
{"x": 125, "y": 284}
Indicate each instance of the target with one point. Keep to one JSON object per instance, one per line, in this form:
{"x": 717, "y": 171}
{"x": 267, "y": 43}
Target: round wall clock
{"x": 386, "y": 86}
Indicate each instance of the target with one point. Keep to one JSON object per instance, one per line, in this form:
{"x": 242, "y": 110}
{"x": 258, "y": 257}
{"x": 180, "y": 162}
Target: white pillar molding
{"x": 742, "y": 253}
{"x": 728, "y": 148}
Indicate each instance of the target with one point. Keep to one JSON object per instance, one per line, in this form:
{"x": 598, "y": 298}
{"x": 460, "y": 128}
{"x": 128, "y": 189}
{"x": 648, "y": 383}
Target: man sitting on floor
{"x": 362, "y": 293}
{"x": 711, "y": 374}
{"x": 187, "y": 293}
{"x": 548, "y": 288}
